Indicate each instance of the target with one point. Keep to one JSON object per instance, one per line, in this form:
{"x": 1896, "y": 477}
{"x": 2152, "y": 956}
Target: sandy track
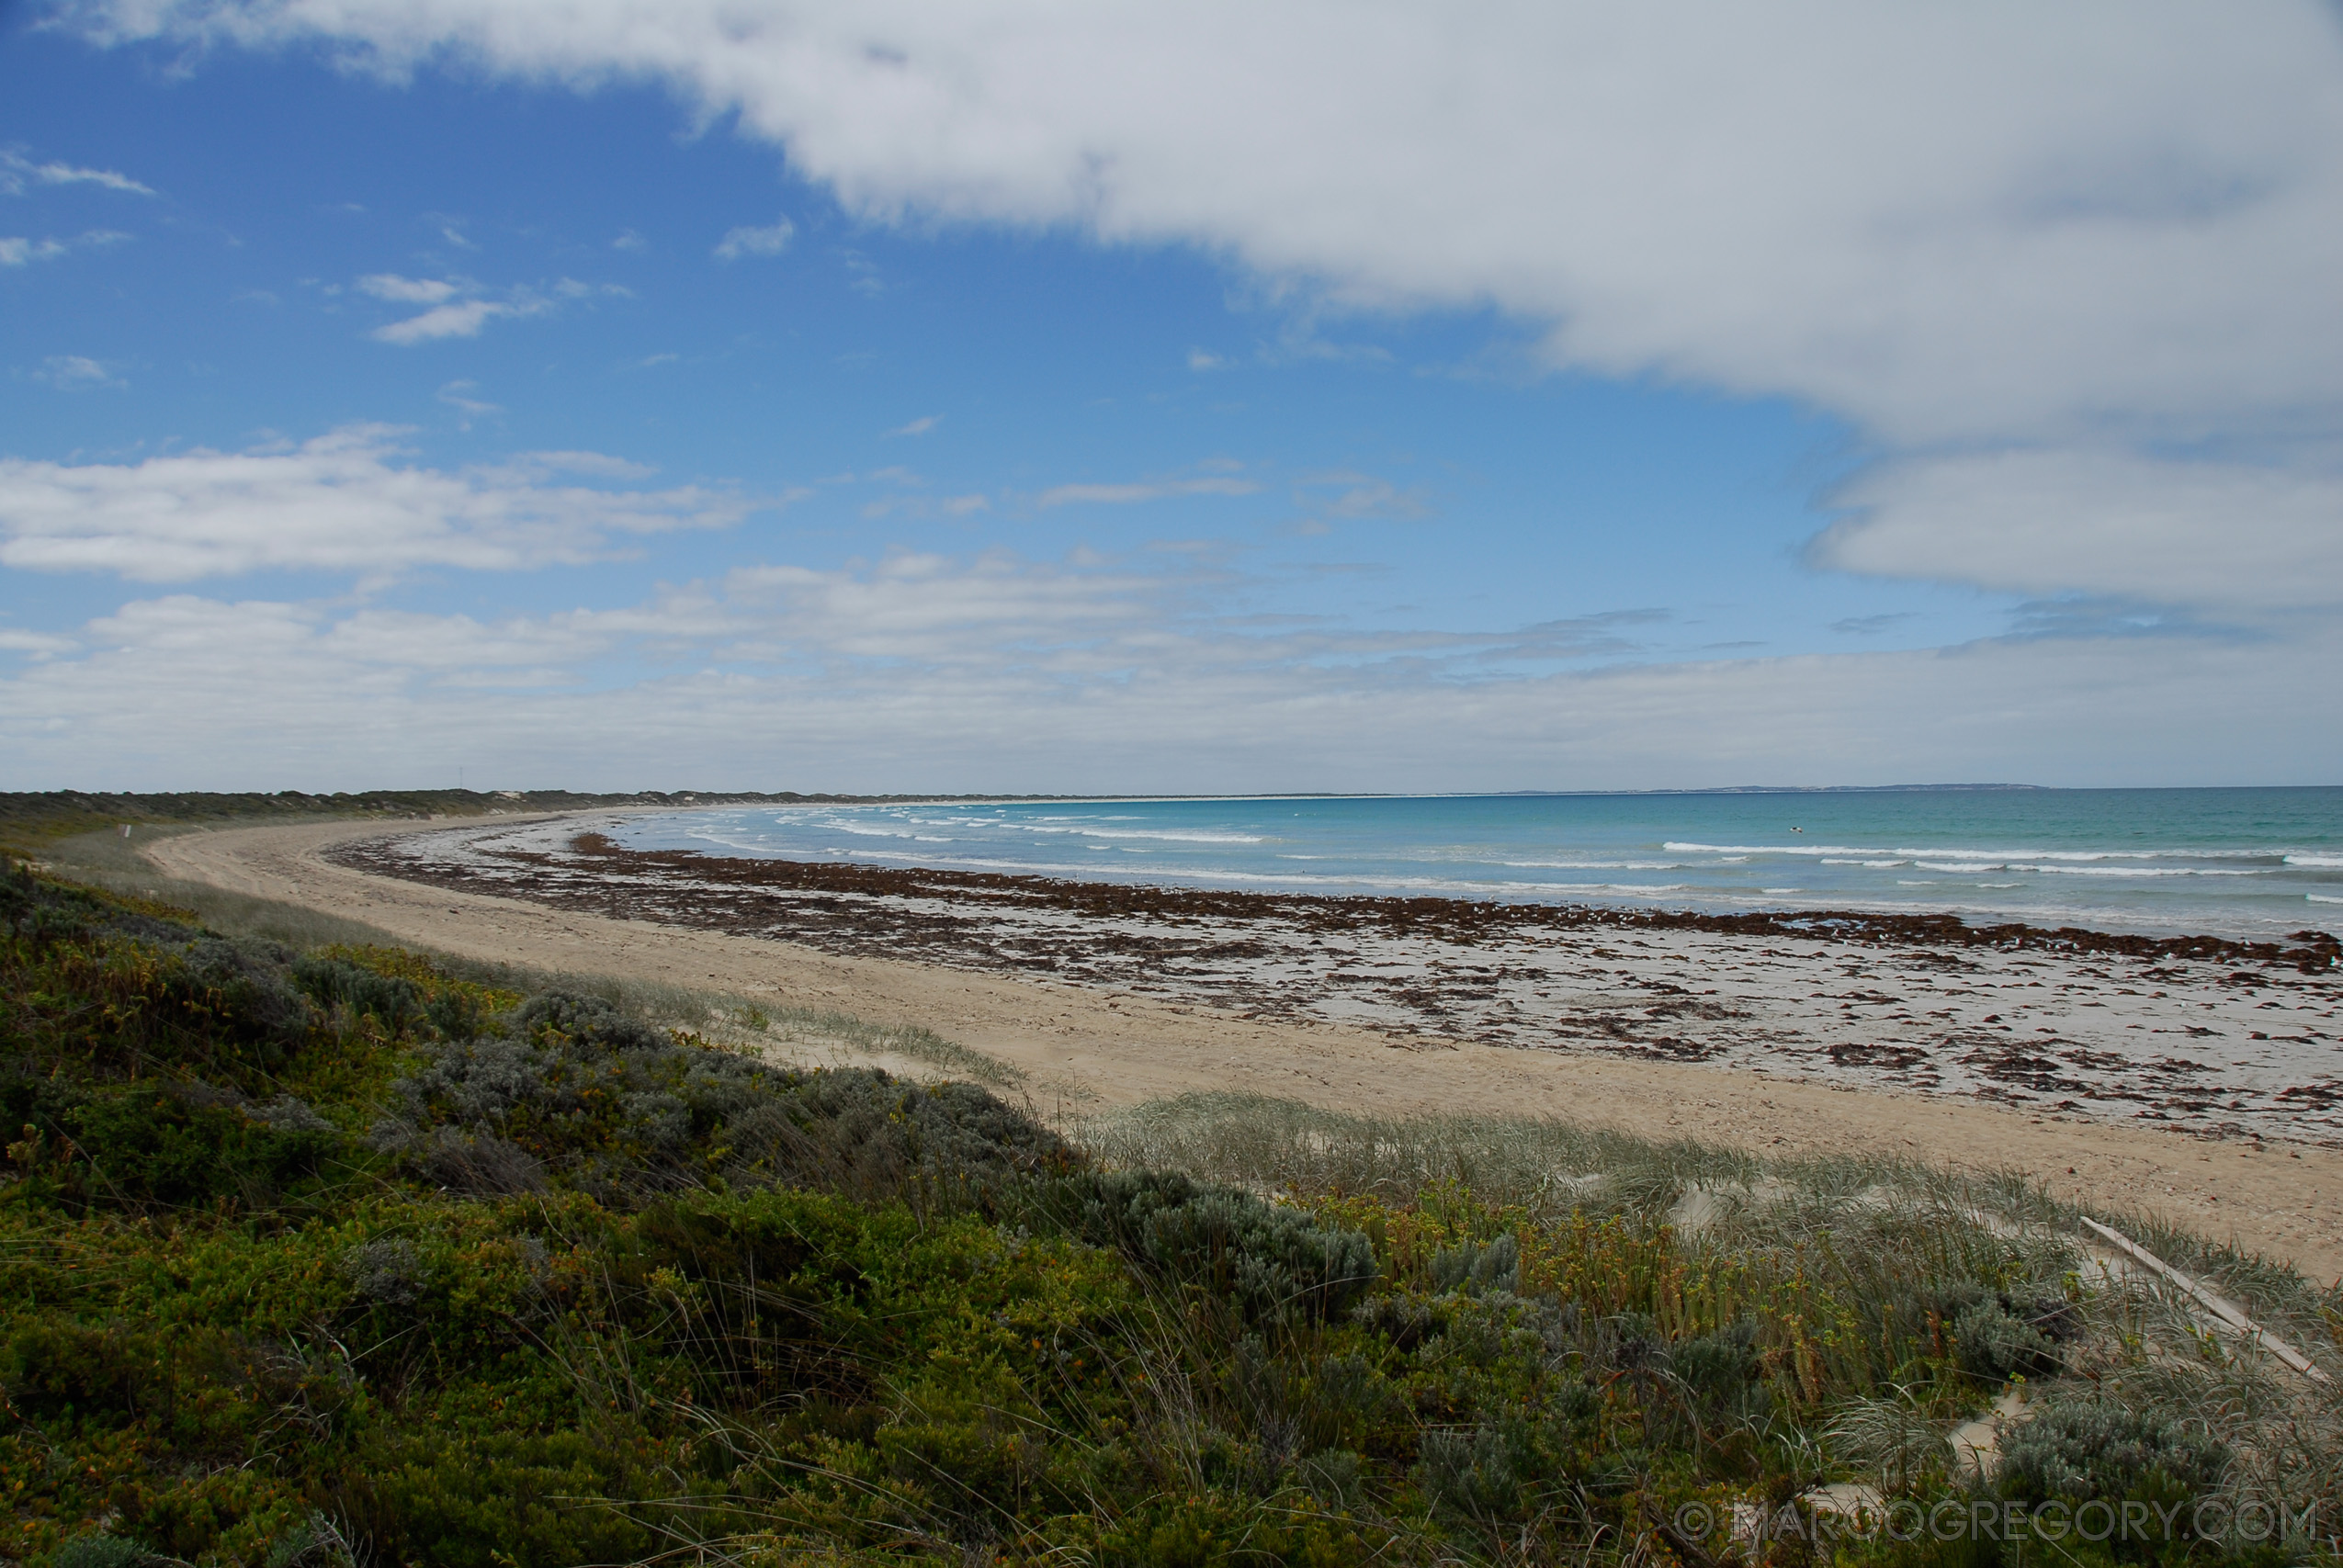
{"x": 2278, "y": 1198}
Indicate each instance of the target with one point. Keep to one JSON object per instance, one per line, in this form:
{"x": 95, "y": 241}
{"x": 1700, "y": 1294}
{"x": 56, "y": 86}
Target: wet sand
{"x": 2205, "y": 1081}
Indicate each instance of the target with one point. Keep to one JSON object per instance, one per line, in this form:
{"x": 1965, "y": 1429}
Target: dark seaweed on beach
{"x": 1463, "y": 921}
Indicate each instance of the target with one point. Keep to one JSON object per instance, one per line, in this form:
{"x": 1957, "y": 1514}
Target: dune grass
{"x": 1852, "y": 1236}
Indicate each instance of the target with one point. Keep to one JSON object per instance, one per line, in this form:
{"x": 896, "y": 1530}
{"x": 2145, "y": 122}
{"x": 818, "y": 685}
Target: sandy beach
{"x": 2206, "y": 1083}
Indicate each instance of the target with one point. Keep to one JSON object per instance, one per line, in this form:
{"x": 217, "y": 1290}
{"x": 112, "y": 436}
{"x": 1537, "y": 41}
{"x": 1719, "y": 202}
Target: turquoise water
{"x": 2231, "y": 862}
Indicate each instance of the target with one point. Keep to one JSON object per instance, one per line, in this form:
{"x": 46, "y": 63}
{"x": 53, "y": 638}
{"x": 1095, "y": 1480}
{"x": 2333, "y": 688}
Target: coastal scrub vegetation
{"x": 339, "y": 1254}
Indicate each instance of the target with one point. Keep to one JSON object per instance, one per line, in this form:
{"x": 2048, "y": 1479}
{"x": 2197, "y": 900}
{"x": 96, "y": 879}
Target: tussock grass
{"x": 1857, "y": 1235}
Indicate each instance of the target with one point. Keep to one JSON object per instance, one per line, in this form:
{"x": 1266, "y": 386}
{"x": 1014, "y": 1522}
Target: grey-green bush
{"x": 2083, "y": 1448}
{"x": 1276, "y": 1263}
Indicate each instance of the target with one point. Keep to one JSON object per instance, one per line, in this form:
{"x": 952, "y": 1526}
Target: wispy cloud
{"x": 415, "y": 290}
{"x": 1871, "y": 625}
{"x": 461, "y": 320}
{"x": 1362, "y": 496}
{"x": 460, "y": 307}
{"x": 459, "y": 395}
{"x": 1131, "y": 493}
{"x": 862, "y": 274}
{"x": 18, "y": 172}
{"x": 22, "y": 252}
{"x": 18, "y": 250}
{"x": 747, "y": 241}
{"x": 76, "y": 372}
{"x": 919, "y": 426}
{"x": 914, "y": 505}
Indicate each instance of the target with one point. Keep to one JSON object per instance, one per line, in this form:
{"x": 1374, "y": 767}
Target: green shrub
{"x": 1489, "y": 1474}
{"x": 1275, "y": 1264}
{"x": 2079, "y": 1449}
{"x": 393, "y": 1000}
{"x": 568, "y": 1089}
{"x": 100, "y": 1551}
{"x": 1994, "y": 1335}
{"x": 1724, "y": 1372}
{"x": 249, "y": 982}
{"x": 177, "y": 1145}
{"x": 1474, "y": 1268}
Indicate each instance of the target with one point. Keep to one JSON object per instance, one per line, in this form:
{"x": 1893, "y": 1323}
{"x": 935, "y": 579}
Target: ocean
{"x": 2238, "y": 862}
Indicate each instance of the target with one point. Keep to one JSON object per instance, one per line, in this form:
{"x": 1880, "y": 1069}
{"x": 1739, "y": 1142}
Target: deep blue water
{"x": 2236, "y": 861}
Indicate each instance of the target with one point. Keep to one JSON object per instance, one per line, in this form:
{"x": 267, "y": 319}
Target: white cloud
{"x": 17, "y": 172}
{"x": 459, "y": 307}
{"x": 413, "y": 290}
{"x": 921, "y": 506}
{"x": 40, "y": 645}
{"x": 20, "y": 250}
{"x": 770, "y": 241}
{"x": 463, "y": 397}
{"x": 342, "y": 503}
{"x": 2222, "y": 536}
{"x": 1811, "y": 199}
{"x": 2134, "y": 243}
{"x": 76, "y": 372}
{"x": 1146, "y": 490}
{"x": 2026, "y": 252}
{"x": 459, "y": 395}
{"x": 919, "y": 426}
{"x": 463, "y": 319}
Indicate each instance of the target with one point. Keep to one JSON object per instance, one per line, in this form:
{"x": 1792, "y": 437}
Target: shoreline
{"x": 1094, "y": 1044}
{"x": 2175, "y": 1031}
{"x": 2154, "y": 871}
{"x": 2310, "y": 950}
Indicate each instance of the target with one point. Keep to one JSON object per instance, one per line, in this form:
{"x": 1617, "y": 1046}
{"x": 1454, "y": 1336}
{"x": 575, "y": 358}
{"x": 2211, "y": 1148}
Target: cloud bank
{"x": 2226, "y": 537}
{"x": 999, "y": 672}
{"x": 342, "y": 502}
{"x": 1985, "y": 221}
{"x": 2068, "y": 272}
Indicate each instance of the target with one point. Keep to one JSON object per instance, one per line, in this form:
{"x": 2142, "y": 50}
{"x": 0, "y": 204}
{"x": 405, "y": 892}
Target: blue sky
{"x": 888, "y": 403}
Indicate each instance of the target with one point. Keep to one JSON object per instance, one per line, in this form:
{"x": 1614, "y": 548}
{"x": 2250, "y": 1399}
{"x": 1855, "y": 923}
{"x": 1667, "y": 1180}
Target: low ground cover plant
{"x": 340, "y": 1257}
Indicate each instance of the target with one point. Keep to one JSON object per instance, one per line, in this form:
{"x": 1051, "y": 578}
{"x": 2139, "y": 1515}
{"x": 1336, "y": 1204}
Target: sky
{"x": 1036, "y": 396}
